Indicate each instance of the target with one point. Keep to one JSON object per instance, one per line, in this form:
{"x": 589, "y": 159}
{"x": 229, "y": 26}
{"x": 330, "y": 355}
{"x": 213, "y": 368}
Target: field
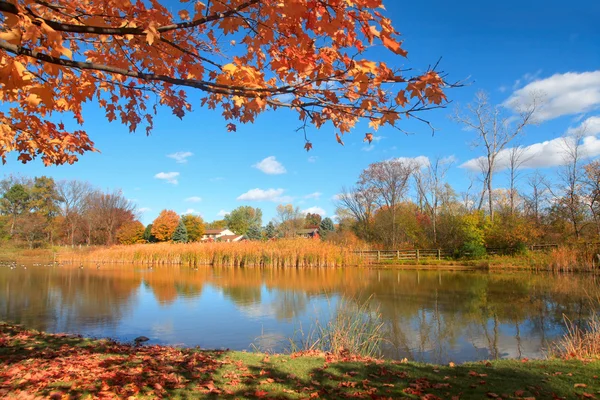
{"x": 280, "y": 253}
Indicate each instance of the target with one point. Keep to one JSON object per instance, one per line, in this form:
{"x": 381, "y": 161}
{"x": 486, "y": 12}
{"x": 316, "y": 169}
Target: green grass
{"x": 39, "y": 364}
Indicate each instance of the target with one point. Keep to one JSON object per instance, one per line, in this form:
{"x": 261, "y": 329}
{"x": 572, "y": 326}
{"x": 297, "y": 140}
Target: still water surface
{"x": 428, "y": 315}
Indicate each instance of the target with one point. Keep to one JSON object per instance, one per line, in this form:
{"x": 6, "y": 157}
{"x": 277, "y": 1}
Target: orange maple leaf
{"x": 339, "y": 139}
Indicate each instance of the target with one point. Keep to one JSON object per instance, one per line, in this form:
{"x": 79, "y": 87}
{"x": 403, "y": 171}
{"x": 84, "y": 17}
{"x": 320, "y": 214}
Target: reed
{"x": 356, "y": 329}
{"x": 280, "y": 253}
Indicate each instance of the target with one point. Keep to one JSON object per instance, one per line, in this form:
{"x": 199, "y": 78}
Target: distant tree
{"x": 312, "y": 220}
{"x": 270, "y": 230}
{"x": 14, "y": 203}
{"x": 242, "y": 218}
{"x": 194, "y": 226}
{"x": 217, "y": 224}
{"x": 389, "y": 181}
{"x": 164, "y": 225}
{"x": 289, "y": 220}
{"x": 254, "y": 233}
{"x": 72, "y": 196}
{"x": 131, "y": 233}
{"x": 105, "y": 213}
{"x": 326, "y": 227}
{"x": 180, "y": 234}
{"x": 44, "y": 200}
{"x": 148, "y": 236}
{"x": 495, "y": 130}
{"x": 31, "y": 228}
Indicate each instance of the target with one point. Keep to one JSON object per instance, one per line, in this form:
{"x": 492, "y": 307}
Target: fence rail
{"x": 435, "y": 254}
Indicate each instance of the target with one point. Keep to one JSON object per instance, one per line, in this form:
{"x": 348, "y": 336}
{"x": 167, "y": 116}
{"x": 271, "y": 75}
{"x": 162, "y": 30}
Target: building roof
{"x": 230, "y": 238}
{"x": 306, "y": 231}
{"x": 214, "y": 231}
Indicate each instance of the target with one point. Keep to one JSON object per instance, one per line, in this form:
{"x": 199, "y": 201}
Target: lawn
{"x": 61, "y": 366}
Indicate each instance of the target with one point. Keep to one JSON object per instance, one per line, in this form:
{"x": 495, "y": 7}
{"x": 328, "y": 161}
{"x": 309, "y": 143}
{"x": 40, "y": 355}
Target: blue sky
{"x": 505, "y": 48}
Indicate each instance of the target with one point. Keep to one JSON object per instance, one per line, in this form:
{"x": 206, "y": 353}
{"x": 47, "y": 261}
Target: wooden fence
{"x": 435, "y": 254}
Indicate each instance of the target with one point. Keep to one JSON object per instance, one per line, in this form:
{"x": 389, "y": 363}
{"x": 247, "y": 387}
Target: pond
{"x": 435, "y": 316}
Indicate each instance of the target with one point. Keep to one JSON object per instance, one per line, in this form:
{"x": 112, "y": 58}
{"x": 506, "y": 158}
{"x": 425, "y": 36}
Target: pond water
{"x": 435, "y": 316}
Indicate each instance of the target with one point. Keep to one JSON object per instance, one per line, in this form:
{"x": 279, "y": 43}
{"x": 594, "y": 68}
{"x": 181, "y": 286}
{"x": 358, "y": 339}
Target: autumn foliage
{"x": 131, "y": 233}
{"x": 243, "y": 57}
{"x": 164, "y": 225}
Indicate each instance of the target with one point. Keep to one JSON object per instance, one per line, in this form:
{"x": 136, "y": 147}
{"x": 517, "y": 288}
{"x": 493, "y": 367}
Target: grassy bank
{"x": 280, "y": 253}
{"x": 60, "y": 366}
{"x": 9, "y": 252}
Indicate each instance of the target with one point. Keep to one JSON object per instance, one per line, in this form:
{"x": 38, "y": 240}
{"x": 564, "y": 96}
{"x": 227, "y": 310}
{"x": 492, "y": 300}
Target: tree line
{"x": 405, "y": 204}
{"x": 40, "y": 211}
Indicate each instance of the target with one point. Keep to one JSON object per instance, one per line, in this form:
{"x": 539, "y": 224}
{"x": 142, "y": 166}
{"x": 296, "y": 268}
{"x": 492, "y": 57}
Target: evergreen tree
{"x": 270, "y": 230}
{"x": 326, "y": 227}
{"x": 148, "y": 236}
{"x": 180, "y": 235}
{"x": 254, "y": 233}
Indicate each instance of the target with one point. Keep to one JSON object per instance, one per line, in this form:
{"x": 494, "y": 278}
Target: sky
{"x": 507, "y": 48}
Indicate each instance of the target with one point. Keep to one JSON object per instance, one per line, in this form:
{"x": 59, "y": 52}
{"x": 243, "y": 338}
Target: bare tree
{"x": 288, "y": 220}
{"x": 571, "y": 180}
{"x": 72, "y": 199}
{"x": 517, "y": 156}
{"x": 361, "y": 203}
{"x": 430, "y": 187}
{"x": 389, "y": 180}
{"x": 104, "y": 213}
{"x": 495, "y": 130}
{"x": 539, "y": 192}
{"x": 592, "y": 191}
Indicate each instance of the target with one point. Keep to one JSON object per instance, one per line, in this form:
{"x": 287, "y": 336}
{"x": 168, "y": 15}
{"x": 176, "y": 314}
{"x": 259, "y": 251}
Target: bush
{"x": 472, "y": 250}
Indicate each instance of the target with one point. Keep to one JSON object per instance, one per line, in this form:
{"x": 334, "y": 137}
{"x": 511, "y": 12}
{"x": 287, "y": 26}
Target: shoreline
{"x": 65, "y": 366}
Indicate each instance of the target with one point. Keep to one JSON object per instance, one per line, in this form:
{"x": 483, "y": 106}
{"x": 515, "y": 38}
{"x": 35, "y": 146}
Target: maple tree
{"x": 243, "y": 56}
{"x": 164, "y": 225}
{"x": 131, "y": 233}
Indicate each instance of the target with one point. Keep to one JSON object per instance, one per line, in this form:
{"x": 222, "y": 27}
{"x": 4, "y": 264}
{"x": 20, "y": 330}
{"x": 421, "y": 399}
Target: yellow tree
{"x": 194, "y": 226}
{"x": 243, "y": 57}
{"x": 131, "y": 233}
{"x": 164, "y": 225}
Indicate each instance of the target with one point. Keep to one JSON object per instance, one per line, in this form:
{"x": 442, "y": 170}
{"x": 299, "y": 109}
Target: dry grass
{"x": 280, "y": 253}
{"x": 355, "y": 328}
{"x": 581, "y": 343}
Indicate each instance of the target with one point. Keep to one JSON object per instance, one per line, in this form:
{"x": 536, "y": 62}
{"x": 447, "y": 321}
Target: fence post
{"x": 417, "y": 255}
{"x": 439, "y": 254}
{"x": 397, "y": 254}
{"x": 378, "y": 255}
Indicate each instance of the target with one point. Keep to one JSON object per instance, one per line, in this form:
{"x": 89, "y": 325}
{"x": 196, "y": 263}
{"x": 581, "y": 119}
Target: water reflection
{"x": 428, "y": 315}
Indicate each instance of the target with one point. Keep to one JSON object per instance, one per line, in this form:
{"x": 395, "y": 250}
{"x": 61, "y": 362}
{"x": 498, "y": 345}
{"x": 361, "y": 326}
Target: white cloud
{"x": 314, "y": 195}
{"x": 336, "y": 197}
{"x": 421, "y": 161}
{"x": 181, "y": 156}
{"x": 170, "y": 177}
{"x": 590, "y": 127}
{"x": 222, "y": 213}
{"x": 217, "y": 179}
{"x": 270, "y": 166}
{"x": 144, "y": 209}
{"x": 192, "y": 211}
{"x": 550, "y": 153}
{"x": 264, "y": 195}
{"x": 312, "y": 159}
{"x": 563, "y": 94}
{"x": 194, "y": 199}
{"x": 369, "y": 147}
{"x": 315, "y": 210}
